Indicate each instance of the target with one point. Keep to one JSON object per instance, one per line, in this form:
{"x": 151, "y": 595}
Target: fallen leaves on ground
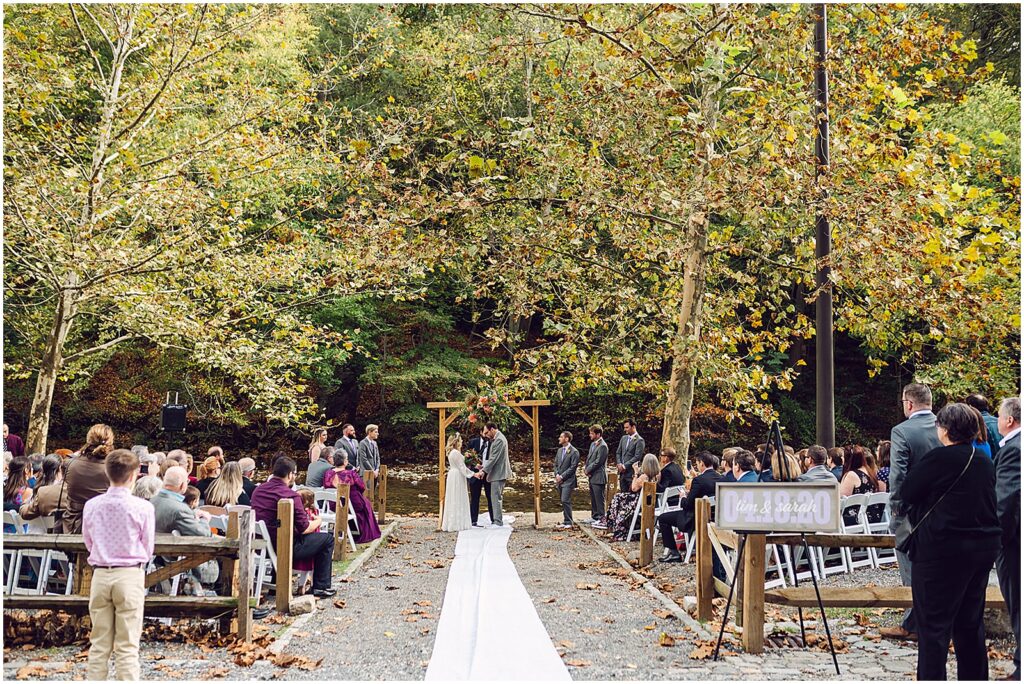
{"x": 169, "y": 671}
{"x": 339, "y": 603}
{"x": 435, "y": 564}
{"x": 44, "y": 629}
{"x": 565, "y": 643}
{"x": 666, "y": 640}
{"x": 215, "y": 673}
{"x": 592, "y": 630}
{"x": 394, "y": 574}
{"x": 620, "y": 572}
{"x": 587, "y": 586}
{"x": 663, "y": 614}
{"x": 423, "y": 603}
{"x": 578, "y": 663}
{"x": 40, "y": 672}
{"x": 550, "y": 599}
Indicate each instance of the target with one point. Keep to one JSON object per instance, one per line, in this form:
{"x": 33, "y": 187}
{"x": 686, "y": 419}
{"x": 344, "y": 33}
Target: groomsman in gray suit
{"x": 596, "y": 470}
{"x": 369, "y": 455}
{"x": 496, "y": 470}
{"x": 631, "y": 450}
{"x": 348, "y": 444}
{"x": 1007, "y": 461}
{"x": 911, "y": 439}
{"x": 567, "y": 460}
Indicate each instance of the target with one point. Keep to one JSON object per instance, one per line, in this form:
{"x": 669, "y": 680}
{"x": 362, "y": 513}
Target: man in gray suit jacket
{"x": 347, "y": 444}
{"x": 631, "y": 450}
{"x": 369, "y": 455}
{"x": 1007, "y": 462}
{"x": 814, "y": 461}
{"x": 911, "y": 439}
{"x": 174, "y": 515}
{"x": 496, "y": 470}
{"x": 567, "y": 460}
{"x": 595, "y": 468}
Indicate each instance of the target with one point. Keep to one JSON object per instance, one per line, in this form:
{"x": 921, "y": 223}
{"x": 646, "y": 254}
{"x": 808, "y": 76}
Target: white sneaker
{"x": 588, "y": 521}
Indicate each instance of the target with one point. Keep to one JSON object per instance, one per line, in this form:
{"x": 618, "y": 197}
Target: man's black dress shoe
{"x": 672, "y": 558}
{"x": 324, "y": 593}
{"x": 260, "y": 613}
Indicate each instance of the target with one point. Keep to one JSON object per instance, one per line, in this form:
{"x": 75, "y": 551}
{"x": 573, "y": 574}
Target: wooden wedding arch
{"x": 532, "y": 419}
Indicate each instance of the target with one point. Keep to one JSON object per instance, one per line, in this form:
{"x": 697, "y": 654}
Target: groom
{"x": 496, "y": 470}
{"x": 480, "y": 445}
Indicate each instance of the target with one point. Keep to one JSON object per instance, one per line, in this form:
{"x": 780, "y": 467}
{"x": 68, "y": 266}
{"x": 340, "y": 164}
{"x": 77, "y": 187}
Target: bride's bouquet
{"x": 471, "y": 459}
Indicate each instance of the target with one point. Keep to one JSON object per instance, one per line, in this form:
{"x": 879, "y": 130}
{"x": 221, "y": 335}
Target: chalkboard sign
{"x": 778, "y": 506}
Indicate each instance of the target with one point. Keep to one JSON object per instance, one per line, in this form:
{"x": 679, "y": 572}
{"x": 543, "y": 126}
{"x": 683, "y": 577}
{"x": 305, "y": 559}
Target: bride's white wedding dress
{"x": 456, "y": 494}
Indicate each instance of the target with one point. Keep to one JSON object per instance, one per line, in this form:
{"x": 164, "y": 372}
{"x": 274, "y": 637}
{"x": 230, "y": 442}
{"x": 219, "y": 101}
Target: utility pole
{"x": 825, "y": 413}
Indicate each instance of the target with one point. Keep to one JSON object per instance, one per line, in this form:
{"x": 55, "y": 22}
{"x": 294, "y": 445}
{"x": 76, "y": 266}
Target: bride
{"x": 456, "y": 499}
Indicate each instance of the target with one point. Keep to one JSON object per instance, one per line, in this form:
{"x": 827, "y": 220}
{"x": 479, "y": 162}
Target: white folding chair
{"x": 323, "y": 497}
{"x": 266, "y": 558}
{"x": 633, "y": 527}
{"x": 852, "y": 508}
{"x": 219, "y": 523}
{"x": 36, "y": 560}
{"x": 877, "y": 507}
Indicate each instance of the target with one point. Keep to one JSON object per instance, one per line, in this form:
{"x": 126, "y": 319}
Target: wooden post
{"x": 536, "y": 466}
{"x": 83, "y": 574}
{"x": 739, "y": 575}
{"x": 285, "y": 532}
{"x": 647, "y": 500}
{"x": 371, "y": 487}
{"x": 441, "y": 424}
{"x": 228, "y": 576}
{"x": 242, "y": 523}
{"x": 382, "y": 495}
{"x": 341, "y": 522}
{"x": 704, "y": 577}
{"x": 610, "y": 491}
{"x": 753, "y": 594}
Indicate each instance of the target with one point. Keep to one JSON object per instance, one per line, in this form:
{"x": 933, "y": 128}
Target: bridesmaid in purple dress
{"x": 368, "y": 528}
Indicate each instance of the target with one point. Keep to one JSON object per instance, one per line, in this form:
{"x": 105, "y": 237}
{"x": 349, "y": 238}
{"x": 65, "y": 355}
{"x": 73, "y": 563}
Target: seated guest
{"x": 174, "y": 515}
{"x": 620, "y": 512}
{"x": 45, "y": 498}
{"x": 307, "y": 541}
{"x": 743, "y": 467}
{"x": 859, "y": 478}
{"x": 882, "y": 458}
{"x": 980, "y": 403}
{"x": 305, "y": 566}
{"x": 816, "y": 470}
{"x": 192, "y": 497}
{"x": 17, "y": 493}
{"x": 683, "y": 519}
{"x": 217, "y": 453}
{"x": 228, "y": 489}
{"x": 781, "y": 468}
{"x": 835, "y": 459}
{"x": 87, "y": 476}
{"x": 728, "y": 457}
{"x": 671, "y": 474}
{"x": 315, "y": 473}
{"x": 248, "y": 467}
{"x": 148, "y": 464}
{"x": 363, "y": 508}
{"x": 36, "y": 462}
{"x": 208, "y": 472}
{"x": 981, "y": 440}
{"x": 147, "y": 487}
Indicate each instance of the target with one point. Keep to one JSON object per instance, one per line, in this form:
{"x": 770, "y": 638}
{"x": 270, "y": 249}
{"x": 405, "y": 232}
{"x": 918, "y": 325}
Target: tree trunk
{"x": 49, "y": 367}
{"x": 675, "y": 431}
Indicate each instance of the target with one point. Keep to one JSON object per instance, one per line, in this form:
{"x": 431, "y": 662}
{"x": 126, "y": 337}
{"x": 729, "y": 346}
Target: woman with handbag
{"x": 953, "y": 541}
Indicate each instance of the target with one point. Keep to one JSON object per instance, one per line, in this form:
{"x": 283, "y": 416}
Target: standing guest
{"x": 228, "y": 489}
{"x": 13, "y": 443}
{"x": 87, "y": 476}
{"x": 911, "y": 439}
{"x": 816, "y": 471}
{"x": 497, "y": 471}
{"x": 728, "y": 459}
{"x": 369, "y": 455}
{"x": 949, "y": 494}
{"x": 209, "y": 471}
{"x": 480, "y": 445}
{"x": 620, "y": 512}
{"x": 671, "y": 474}
{"x": 703, "y": 485}
{"x": 743, "y": 466}
{"x": 147, "y": 487}
{"x": 17, "y": 491}
{"x": 348, "y": 443}
{"x": 46, "y": 497}
{"x": 307, "y": 541}
{"x": 361, "y": 506}
{"x": 630, "y": 452}
{"x": 979, "y": 402}
{"x": 248, "y": 466}
{"x": 596, "y": 469}
{"x": 567, "y": 460}
{"x": 317, "y": 444}
{"x": 1007, "y": 465}
{"x": 835, "y": 458}
{"x": 317, "y": 469}
{"x": 981, "y": 439}
{"x": 882, "y": 458}
{"x": 118, "y": 530}
{"x": 216, "y": 452}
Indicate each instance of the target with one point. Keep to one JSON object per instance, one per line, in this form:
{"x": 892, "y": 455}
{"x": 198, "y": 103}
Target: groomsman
{"x": 348, "y": 444}
{"x": 369, "y": 455}
{"x": 630, "y": 451}
{"x": 481, "y": 445}
{"x": 597, "y": 474}
{"x": 567, "y": 460}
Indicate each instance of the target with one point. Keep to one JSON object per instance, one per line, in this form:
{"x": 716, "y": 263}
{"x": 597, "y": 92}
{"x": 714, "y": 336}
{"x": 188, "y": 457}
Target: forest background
{"x": 302, "y": 215}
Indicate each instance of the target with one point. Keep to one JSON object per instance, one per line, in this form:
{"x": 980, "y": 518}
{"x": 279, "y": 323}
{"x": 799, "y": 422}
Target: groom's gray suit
{"x": 497, "y": 471}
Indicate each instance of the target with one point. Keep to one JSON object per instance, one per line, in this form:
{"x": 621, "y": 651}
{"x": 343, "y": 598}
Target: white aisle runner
{"x": 489, "y": 628}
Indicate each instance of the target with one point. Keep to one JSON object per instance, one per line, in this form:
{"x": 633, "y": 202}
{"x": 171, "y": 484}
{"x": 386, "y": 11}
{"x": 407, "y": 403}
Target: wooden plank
{"x": 719, "y": 550}
{"x": 341, "y": 522}
{"x": 726, "y": 538}
{"x": 157, "y": 605}
{"x": 524, "y": 415}
{"x": 242, "y": 524}
{"x": 177, "y": 567}
{"x": 611, "y": 489}
{"x": 371, "y": 487}
{"x": 441, "y": 462}
{"x": 856, "y": 541}
{"x": 648, "y": 497}
{"x": 859, "y": 597}
{"x": 449, "y": 420}
{"x": 702, "y": 547}
{"x": 83, "y": 571}
{"x": 753, "y": 594}
{"x": 164, "y": 544}
{"x": 721, "y": 588}
{"x": 513, "y": 404}
{"x": 536, "y": 465}
{"x": 285, "y": 533}
{"x": 382, "y": 495}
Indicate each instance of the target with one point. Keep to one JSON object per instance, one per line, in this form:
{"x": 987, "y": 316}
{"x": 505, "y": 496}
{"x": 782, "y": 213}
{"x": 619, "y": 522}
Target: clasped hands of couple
{"x": 479, "y": 474}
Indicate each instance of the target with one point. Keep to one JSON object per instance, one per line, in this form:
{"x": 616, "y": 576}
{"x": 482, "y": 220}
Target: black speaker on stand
{"x": 173, "y": 416}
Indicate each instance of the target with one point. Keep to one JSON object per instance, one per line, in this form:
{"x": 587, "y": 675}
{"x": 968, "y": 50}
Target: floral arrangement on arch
{"x": 479, "y": 408}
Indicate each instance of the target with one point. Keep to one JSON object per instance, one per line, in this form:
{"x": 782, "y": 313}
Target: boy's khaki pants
{"x": 116, "y": 600}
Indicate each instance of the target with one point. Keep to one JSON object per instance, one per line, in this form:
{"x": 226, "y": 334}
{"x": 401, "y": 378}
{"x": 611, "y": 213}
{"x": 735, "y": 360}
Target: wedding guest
{"x": 858, "y": 476}
{"x": 620, "y": 513}
{"x": 781, "y": 467}
{"x": 481, "y": 445}
{"x": 13, "y": 443}
{"x": 216, "y": 452}
{"x": 567, "y": 460}
{"x": 317, "y": 469}
{"x": 979, "y": 402}
{"x": 671, "y": 474}
{"x": 305, "y": 566}
{"x": 703, "y": 485}
{"x": 209, "y": 471}
{"x": 882, "y": 458}
{"x": 192, "y": 497}
{"x": 981, "y": 440}
{"x": 596, "y": 469}
{"x": 728, "y": 458}
{"x": 87, "y": 475}
{"x": 369, "y": 454}
{"x": 1007, "y": 465}
{"x": 631, "y": 451}
{"x": 743, "y": 466}
{"x": 348, "y": 443}
{"x": 118, "y": 530}
{"x": 361, "y": 506}
{"x": 953, "y": 546}
{"x": 816, "y": 470}
{"x": 148, "y": 464}
{"x": 307, "y": 541}
{"x": 835, "y": 457}
{"x": 248, "y": 466}
{"x": 17, "y": 491}
{"x": 147, "y": 487}
{"x": 174, "y": 514}
{"x": 190, "y": 468}
{"x": 46, "y": 497}
{"x": 228, "y": 489}
{"x": 316, "y": 444}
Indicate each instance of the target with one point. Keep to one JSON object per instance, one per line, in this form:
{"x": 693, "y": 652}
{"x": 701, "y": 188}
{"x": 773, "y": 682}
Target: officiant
{"x": 480, "y": 445}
